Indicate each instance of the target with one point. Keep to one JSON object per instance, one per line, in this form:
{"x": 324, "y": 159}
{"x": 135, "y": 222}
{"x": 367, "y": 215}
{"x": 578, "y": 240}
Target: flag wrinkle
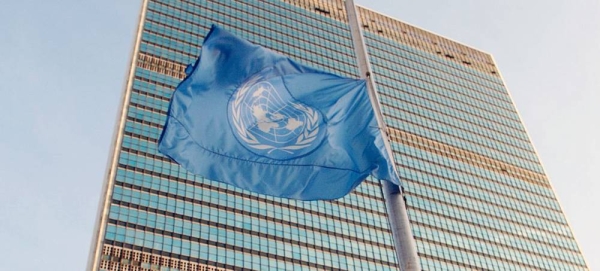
{"x": 250, "y": 117}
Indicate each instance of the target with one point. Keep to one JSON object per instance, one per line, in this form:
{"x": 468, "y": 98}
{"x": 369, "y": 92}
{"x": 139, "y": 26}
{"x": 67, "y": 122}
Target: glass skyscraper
{"x": 477, "y": 195}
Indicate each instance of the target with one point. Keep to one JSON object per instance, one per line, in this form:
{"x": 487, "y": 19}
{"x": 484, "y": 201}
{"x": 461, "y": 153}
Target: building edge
{"x": 426, "y": 30}
{"x": 113, "y": 157}
{"x": 562, "y": 209}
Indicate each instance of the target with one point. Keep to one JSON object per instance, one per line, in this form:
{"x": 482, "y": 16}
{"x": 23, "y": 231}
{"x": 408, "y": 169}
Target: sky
{"x": 63, "y": 67}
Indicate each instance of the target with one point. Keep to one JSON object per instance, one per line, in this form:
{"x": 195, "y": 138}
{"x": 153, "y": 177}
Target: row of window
{"x": 118, "y": 258}
{"x": 482, "y": 220}
{"x": 149, "y": 148}
{"x": 146, "y": 146}
{"x": 212, "y": 251}
{"x": 498, "y": 212}
{"x": 290, "y": 44}
{"x": 488, "y": 221}
{"x": 416, "y": 91}
{"x": 453, "y": 68}
{"x": 517, "y": 139}
{"x": 486, "y": 262}
{"x": 441, "y": 74}
{"x": 224, "y": 221}
{"x": 448, "y": 168}
{"x": 460, "y": 155}
{"x": 366, "y": 202}
{"x": 424, "y": 221}
{"x": 441, "y": 126}
{"x": 498, "y": 247}
{"x": 486, "y": 197}
{"x": 300, "y": 239}
{"x": 253, "y": 25}
{"x": 421, "y": 130}
{"x": 307, "y": 211}
{"x": 149, "y": 81}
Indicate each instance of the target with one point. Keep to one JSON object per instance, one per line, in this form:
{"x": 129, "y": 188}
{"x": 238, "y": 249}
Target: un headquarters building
{"x": 476, "y": 193}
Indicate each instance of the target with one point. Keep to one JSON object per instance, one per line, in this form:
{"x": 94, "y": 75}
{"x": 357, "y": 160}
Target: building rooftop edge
{"x": 425, "y": 30}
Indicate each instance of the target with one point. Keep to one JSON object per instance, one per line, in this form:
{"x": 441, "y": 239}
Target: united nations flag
{"x": 255, "y": 119}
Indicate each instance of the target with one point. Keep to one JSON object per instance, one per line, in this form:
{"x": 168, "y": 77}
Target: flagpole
{"x": 406, "y": 250}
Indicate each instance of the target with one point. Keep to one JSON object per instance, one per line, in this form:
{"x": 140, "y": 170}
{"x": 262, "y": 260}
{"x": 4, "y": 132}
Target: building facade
{"x": 477, "y": 195}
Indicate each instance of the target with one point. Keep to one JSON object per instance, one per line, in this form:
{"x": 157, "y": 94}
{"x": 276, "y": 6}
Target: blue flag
{"x": 255, "y": 119}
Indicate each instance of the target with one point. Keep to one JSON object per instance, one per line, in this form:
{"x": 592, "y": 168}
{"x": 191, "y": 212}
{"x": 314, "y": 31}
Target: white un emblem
{"x": 270, "y": 122}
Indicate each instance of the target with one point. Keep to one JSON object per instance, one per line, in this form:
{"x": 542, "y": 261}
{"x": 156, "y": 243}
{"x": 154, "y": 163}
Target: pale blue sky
{"x": 63, "y": 66}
